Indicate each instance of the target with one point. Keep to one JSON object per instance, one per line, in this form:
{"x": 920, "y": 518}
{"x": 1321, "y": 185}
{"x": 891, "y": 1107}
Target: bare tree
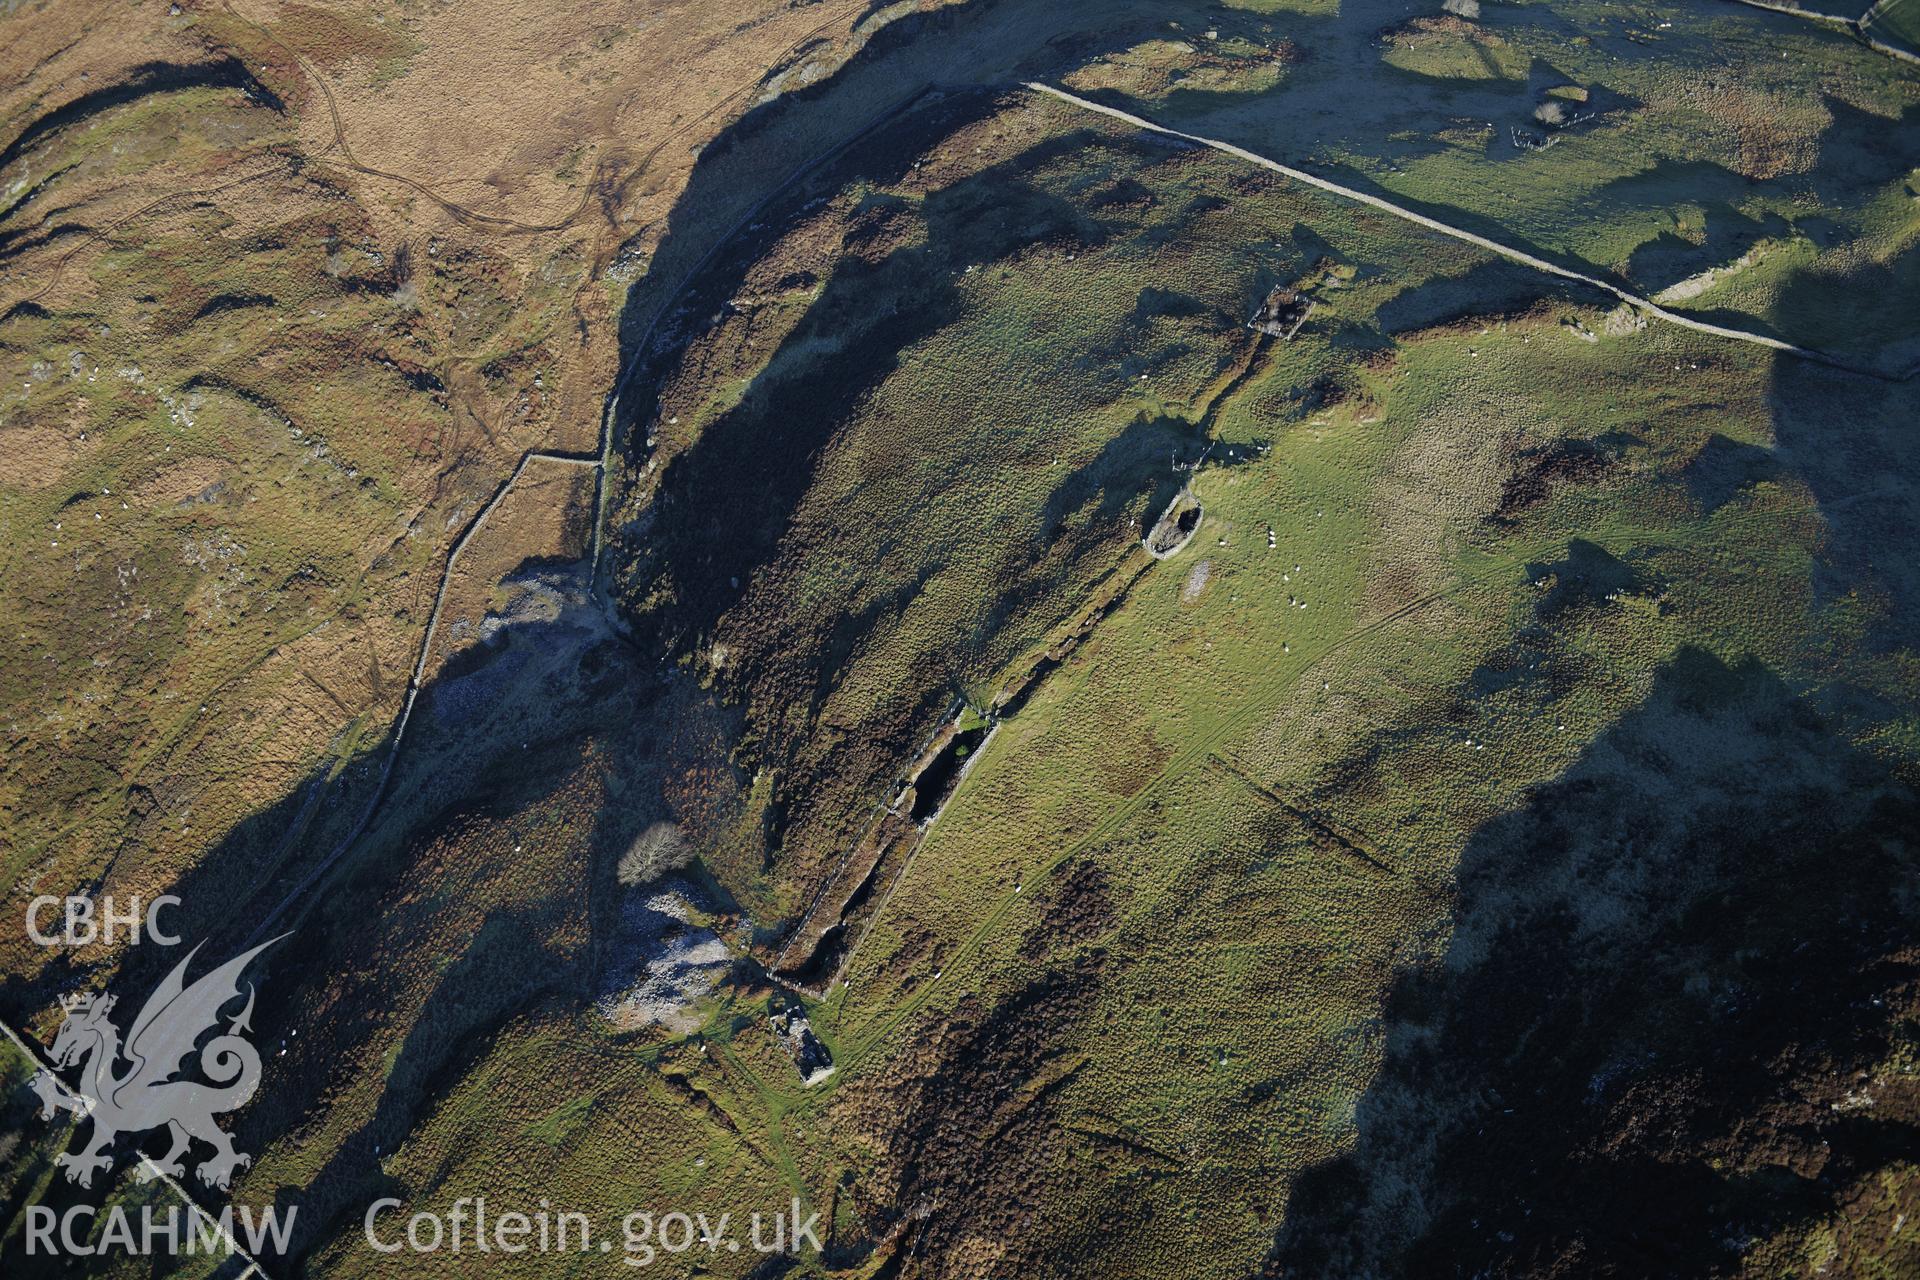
{"x": 657, "y": 850}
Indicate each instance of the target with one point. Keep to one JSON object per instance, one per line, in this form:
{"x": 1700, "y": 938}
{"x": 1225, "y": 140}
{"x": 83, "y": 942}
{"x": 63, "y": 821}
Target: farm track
{"x": 90, "y": 234}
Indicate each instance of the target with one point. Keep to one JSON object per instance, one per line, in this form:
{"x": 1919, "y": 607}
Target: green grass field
{"x": 1210, "y": 843}
{"x": 1420, "y": 864}
{"x": 1898, "y": 23}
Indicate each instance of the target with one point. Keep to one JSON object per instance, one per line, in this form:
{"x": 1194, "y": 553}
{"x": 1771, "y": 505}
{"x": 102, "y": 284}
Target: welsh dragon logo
{"x": 145, "y": 1094}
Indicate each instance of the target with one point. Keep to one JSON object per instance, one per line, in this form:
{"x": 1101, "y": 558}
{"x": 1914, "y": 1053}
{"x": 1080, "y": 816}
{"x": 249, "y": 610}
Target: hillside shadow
{"x": 138, "y": 82}
{"x": 1666, "y": 967}
{"x": 1108, "y": 486}
{"x": 1849, "y": 440}
{"x": 1724, "y": 468}
{"x": 224, "y": 893}
{"x": 355, "y": 972}
{"x": 723, "y": 504}
{"x": 326, "y": 993}
{"x": 1727, "y": 233}
{"x": 1485, "y": 292}
{"x": 965, "y": 50}
{"x": 505, "y": 968}
{"x": 1862, "y": 151}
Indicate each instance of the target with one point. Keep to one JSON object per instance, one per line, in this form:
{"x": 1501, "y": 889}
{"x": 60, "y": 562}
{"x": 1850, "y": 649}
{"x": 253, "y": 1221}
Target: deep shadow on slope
{"x": 476, "y": 899}
{"x": 1666, "y": 970}
{"x": 714, "y": 557}
{"x": 477, "y": 894}
{"x": 723, "y": 503}
{"x": 964, "y": 45}
{"x": 1851, "y": 442}
{"x": 150, "y": 77}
